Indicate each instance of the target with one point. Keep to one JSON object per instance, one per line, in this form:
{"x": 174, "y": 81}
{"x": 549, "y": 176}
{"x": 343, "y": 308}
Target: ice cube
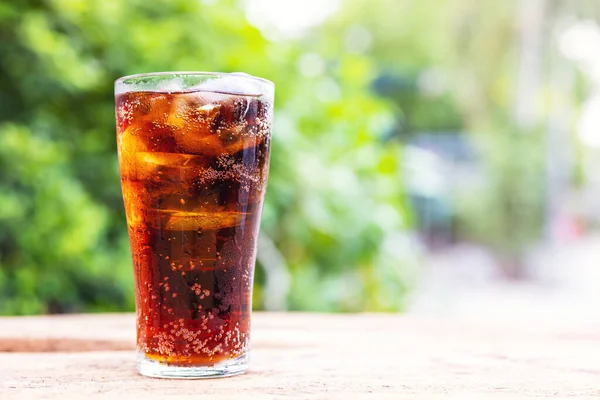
{"x": 225, "y": 142}
{"x": 237, "y": 83}
{"x": 171, "y": 85}
{"x": 200, "y": 144}
{"x": 195, "y": 220}
{"x": 171, "y": 160}
{"x": 208, "y": 112}
{"x": 235, "y": 125}
{"x": 234, "y": 141}
{"x": 129, "y": 144}
{"x": 173, "y": 167}
{"x": 193, "y": 121}
{"x": 133, "y": 196}
{"x": 160, "y": 107}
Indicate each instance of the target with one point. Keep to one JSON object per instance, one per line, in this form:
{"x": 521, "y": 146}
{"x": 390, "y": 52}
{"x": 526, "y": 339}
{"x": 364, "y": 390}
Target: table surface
{"x": 298, "y": 355}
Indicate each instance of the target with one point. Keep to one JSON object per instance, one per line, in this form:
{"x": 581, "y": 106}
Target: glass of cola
{"x": 193, "y": 152}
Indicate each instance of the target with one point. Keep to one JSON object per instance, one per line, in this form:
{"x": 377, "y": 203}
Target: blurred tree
{"x": 452, "y": 66}
{"x": 334, "y": 219}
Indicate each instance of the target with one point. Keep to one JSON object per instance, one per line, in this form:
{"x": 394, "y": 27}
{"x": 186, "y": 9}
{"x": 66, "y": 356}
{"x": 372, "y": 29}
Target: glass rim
{"x": 122, "y": 81}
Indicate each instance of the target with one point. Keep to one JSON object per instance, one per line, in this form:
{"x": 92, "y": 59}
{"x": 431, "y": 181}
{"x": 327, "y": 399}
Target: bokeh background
{"x": 435, "y": 157}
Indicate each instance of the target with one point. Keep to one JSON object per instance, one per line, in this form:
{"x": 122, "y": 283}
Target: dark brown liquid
{"x": 194, "y": 169}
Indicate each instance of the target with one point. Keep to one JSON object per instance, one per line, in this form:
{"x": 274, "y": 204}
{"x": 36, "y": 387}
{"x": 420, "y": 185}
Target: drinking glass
{"x": 193, "y": 152}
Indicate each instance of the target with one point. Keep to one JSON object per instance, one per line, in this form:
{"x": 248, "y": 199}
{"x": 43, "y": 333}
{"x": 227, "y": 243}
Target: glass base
{"x": 155, "y": 369}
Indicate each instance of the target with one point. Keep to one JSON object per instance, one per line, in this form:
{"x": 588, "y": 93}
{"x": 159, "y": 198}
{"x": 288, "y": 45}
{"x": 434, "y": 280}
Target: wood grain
{"x": 311, "y": 356}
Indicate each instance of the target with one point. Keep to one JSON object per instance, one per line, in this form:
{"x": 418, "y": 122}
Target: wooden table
{"x": 311, "y": 356}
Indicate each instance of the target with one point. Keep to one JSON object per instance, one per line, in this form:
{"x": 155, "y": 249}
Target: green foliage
{"x": 467, "y": 49}
{"x": 54, "y": 234}
{"x": 334, "y": 205}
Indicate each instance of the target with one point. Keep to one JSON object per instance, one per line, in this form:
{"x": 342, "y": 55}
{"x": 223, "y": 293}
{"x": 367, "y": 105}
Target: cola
{"x": 194, "y": 166}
